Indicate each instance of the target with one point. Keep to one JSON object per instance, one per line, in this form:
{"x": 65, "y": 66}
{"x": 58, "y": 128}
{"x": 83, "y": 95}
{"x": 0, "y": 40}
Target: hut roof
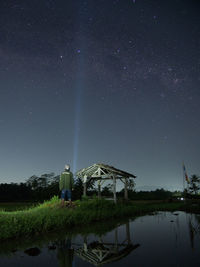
{"x": 100, "y": 255}
{"x": 100, "y": 170}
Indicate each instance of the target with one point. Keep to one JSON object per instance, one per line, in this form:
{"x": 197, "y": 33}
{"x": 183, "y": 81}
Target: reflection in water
{"x": 32, "y": 251}
{"x": 167, "y": 239}
{"x": 193, "y": 223}
{"x": 65, "y": 253}
{"x": 96, "y": 252}
{"x": 100, "y": 252}
{"x": 194, "y": 227}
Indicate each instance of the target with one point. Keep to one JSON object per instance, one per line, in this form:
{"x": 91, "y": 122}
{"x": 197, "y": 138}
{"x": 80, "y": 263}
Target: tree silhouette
{"x": 194, "y": 184}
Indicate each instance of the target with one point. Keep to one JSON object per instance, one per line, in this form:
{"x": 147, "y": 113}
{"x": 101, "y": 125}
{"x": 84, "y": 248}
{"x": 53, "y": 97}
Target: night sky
{"x": 111, "y": 81}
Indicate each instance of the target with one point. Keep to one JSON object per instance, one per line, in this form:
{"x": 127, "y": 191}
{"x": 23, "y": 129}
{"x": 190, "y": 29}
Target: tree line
{"x": 36, "y": 188}
{"x": 40, "y": 188}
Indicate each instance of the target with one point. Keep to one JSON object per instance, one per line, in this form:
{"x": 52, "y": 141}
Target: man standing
{"x": 66, "y": 184}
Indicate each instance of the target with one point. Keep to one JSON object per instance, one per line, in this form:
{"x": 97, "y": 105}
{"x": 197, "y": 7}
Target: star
{"x": 165, "y": 138}
{"x": 176, "y": 80}
{"x": 162, "y": 95}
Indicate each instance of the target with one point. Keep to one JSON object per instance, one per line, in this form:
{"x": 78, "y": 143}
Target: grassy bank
{"x": 50, "y": 216}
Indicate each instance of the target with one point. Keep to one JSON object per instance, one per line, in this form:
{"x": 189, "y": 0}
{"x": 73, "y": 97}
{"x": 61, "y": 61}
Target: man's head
{"x": 67, "y": 167}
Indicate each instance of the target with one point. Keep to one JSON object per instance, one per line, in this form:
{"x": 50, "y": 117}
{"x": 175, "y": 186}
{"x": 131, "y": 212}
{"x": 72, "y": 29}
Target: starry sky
{"x": 111, "y": 81}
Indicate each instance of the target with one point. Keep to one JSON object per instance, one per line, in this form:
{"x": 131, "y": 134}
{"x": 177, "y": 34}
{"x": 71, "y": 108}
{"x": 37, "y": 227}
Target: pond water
{"x": 162, "y": 239}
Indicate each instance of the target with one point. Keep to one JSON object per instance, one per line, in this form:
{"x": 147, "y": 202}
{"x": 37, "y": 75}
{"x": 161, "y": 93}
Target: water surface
{"x": 163, "y": 239}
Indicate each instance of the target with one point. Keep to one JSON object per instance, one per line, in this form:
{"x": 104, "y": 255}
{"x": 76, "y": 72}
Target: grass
{"x": 50, "y": 216}
{"x": 7, "y": 247}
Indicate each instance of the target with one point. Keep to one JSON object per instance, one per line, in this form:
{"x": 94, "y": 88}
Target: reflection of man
{"x": 65, "y": 253}
{"x": 66, "y": 185}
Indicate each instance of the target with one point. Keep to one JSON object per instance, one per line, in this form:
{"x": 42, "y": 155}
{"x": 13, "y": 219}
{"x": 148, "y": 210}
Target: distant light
{"x": 78, "y": 51}
{"x": 182, "y": 198}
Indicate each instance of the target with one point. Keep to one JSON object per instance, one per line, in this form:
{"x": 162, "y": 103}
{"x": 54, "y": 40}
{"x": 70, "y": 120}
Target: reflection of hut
{"x": 101, "y": 172}
{"x": 100, "y": 252}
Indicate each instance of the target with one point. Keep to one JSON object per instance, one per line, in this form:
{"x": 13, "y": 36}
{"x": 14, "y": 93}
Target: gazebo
{"x": 101, "y": 172}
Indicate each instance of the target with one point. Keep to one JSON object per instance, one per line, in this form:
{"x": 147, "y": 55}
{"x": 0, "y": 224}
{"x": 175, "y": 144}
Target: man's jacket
{"x": 66, "y": 180}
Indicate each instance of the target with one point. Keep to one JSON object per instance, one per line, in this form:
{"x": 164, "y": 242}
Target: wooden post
{"x": 114, "y": 189}
{"x": 128, "y": 236}
{"x": 99, "y": 188}
{"x": 84, "y": 189}
{"x": 85, "y": 248}
{"x": 116, "y": 239}
{"x": 84, "y": 185}
{"x": 126, "y": 188}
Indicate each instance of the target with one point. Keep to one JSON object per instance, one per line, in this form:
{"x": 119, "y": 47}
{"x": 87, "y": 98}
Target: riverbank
{"x": 50, "y": 216}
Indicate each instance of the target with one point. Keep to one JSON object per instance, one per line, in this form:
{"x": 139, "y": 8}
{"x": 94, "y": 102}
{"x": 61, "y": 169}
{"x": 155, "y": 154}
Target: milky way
{"x": 112, "y": 81}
